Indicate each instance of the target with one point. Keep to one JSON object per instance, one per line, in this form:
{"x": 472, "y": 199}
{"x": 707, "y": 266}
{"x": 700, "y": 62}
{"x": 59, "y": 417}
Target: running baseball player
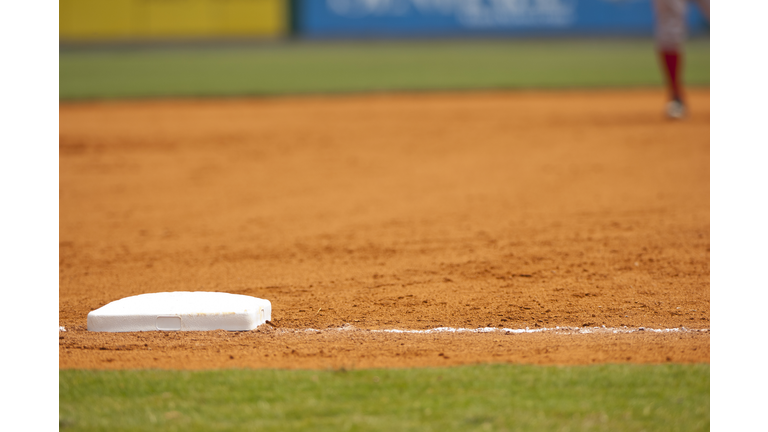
{"x": 670, "y": 36}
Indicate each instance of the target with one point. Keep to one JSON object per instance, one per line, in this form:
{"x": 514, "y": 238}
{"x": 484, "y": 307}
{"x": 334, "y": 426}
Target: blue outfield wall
{"x": 408, "y": 18}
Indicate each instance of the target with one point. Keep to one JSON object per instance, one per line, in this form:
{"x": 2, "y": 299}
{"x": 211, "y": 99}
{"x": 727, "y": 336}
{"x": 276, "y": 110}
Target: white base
{"x": 181, "y": 311}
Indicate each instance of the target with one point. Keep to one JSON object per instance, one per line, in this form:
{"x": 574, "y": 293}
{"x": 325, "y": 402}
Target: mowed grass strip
{"x": 339, "y": 67}
{"x": 488, "y": 397}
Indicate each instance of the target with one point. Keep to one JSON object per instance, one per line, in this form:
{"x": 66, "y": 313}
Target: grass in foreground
{"x": 332, "y": 67}
{"x": 489, "y": 397}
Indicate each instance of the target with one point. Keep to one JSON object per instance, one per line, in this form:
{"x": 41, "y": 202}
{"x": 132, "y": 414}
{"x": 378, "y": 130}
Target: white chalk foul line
{"x": 580, "y": 330}
{"x": 559, "y": 330}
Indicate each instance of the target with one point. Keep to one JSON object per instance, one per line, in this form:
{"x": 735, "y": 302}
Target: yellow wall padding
{"x": 93, "y": 20}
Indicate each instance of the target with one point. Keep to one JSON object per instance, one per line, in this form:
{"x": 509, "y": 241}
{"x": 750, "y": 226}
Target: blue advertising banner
{"x": 402, "y": 18}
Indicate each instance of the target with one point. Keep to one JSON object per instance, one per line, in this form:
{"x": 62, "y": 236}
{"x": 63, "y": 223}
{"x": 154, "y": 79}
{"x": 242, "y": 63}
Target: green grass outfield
{"x": 468, "y": 398}
{"x": 334, "y": 67}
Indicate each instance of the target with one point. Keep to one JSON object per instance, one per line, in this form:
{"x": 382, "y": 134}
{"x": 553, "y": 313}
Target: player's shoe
{"x": 675, "y": 109}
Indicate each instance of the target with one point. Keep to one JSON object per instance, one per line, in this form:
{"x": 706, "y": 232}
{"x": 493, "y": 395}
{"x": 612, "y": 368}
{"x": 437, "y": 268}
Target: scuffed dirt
{"x": 350, "y": 349}
{"x": 510, "y": 209}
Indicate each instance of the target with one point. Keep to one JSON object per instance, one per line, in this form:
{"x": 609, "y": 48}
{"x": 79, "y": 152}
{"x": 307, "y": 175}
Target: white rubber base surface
{"x": 181, "y": 311}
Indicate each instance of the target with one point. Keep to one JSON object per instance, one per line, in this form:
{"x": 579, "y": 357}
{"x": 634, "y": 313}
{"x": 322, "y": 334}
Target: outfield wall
{"x": 106, "y": 20}
{"x": 404, "y": 18}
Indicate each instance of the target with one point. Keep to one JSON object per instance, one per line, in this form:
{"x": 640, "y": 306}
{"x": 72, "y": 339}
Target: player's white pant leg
{"x": 670, "y": 24}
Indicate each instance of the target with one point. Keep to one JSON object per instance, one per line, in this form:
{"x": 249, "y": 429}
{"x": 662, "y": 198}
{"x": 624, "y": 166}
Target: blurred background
{"x": 169, "y": 48}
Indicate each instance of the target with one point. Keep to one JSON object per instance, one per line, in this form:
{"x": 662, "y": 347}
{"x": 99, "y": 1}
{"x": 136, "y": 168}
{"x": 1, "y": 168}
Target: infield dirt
{"x": 391, "y": 211}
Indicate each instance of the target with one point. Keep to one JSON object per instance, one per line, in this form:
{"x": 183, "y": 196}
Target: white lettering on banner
{"x": 363, "y": 8}
{"x": 468, "y": 13}
{"x": 502, "y": 13}
{"x": 442, "y": 7}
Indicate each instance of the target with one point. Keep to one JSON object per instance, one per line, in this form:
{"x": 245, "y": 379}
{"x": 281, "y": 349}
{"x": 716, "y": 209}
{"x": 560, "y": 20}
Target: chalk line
{"x": 558, "y": 330}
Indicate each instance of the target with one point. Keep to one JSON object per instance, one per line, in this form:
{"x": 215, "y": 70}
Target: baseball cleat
{"x": 675, "y": 109}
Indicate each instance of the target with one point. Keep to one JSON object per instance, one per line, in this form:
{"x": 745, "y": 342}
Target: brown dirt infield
{"x": 404, "y": 211}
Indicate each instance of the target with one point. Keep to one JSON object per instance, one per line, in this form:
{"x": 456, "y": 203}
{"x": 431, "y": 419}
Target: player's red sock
{"x": 671, "y": 62}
